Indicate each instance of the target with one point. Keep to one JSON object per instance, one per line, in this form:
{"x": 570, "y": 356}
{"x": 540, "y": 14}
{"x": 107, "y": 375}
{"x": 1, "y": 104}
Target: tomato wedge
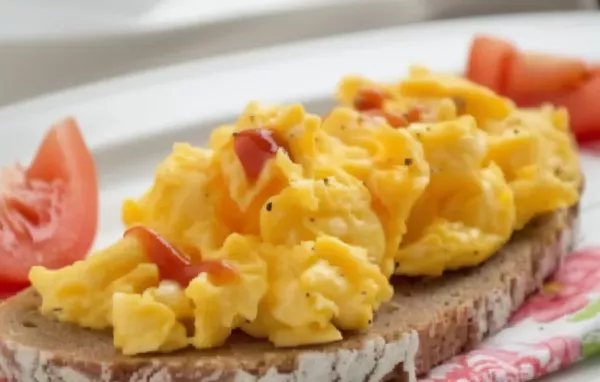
{"x": 172, "y": 265}
{"x": 583, "y": 105}
{"x": 534, "y": 73}
{"x": 489, "y": 60}
{"x": 48, "y": 211}
{"x": 581, "y": 102}
{"x": 8, "y": 290}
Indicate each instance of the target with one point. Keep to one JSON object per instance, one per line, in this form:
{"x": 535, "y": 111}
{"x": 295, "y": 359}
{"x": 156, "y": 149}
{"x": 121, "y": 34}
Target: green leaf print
{"x": 590, "y": 344}
{"x": 587, "y": 313}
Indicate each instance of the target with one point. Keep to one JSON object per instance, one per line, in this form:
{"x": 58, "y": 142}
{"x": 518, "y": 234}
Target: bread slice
{"x": 428, "y": 321}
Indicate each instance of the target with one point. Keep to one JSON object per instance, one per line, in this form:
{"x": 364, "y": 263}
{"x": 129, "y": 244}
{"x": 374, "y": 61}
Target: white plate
{"x": 131, "y": 122}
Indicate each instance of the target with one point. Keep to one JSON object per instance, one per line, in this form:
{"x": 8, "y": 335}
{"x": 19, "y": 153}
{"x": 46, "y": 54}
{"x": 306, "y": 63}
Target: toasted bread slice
{"x": 428, "y": 321}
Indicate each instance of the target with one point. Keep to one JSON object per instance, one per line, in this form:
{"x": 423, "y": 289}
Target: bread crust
{"x": 428, "y": 321}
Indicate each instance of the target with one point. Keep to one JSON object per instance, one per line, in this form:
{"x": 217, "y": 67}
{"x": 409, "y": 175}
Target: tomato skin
{"x": 50, "y": 209}
{"x": 172, "y": 265}
{"x": 534, "y": 73}
{"x": 254, "y": 147}
{"x": 489, "y": 61}
{"x": 9, "y": 290}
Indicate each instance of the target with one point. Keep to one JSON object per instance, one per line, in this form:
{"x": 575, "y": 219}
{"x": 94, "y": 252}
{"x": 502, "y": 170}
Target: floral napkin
{"x": 552, "y": 330}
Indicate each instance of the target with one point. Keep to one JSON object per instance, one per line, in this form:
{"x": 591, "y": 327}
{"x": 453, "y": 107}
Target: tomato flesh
{"x": 368, "y": 99}
{"x": 48, "y": 211}
{"x": 254, "y": 147}
{"x": 172, "y": 265}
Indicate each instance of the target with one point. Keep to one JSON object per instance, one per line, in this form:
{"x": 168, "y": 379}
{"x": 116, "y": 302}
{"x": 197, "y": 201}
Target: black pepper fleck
{"x": 312, "y": 220}
{"x": 235, "y": 134}
{"x": 251, "y": 118}
{"x": 370, "y": 322}
{"x": 364, "y": 293}
{"x": 307, "y": 294}
{"x": 269, "y": 206}
{"x": 408, "y": 161}
{"x": 516, "y": 131}
{"x": 326, "y": 181}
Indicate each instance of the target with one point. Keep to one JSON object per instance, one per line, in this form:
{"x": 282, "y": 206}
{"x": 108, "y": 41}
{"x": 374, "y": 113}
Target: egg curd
{"x": 288, "y": 227}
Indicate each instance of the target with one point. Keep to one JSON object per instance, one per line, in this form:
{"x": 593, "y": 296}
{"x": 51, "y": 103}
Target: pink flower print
{"x": 477, "y": 365}
{"x": 520, "y": 362}
{"x": 569, "y": 289}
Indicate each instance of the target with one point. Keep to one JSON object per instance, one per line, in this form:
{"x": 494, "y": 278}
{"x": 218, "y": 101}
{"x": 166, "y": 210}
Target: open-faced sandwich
{"x": 367, "y": 245}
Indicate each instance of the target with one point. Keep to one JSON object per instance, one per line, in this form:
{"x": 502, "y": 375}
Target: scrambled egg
{"x": 486, "y": 157}
{"x": 335, "y": 208}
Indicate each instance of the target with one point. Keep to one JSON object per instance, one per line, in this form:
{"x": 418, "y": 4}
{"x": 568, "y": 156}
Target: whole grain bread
{"x": 428, "y": 321}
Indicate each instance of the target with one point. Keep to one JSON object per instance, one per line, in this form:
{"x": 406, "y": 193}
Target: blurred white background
{"x": 47, "y": 46}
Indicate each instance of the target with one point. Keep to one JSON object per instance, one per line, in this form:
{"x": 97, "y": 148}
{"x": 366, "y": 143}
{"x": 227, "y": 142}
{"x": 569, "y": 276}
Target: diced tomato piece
{"x": 413, "y": 115}
{"x": 369, "y": 99}
{"x": 172, "y": 265}
{"x": 254, "y": 147}
{"x": 393, "y": 119}
{"x": 533, "y": 73}
{"x": 219, "y": 271}
{"x": 489, "y": 60}
{"x": 49, "y": 211}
